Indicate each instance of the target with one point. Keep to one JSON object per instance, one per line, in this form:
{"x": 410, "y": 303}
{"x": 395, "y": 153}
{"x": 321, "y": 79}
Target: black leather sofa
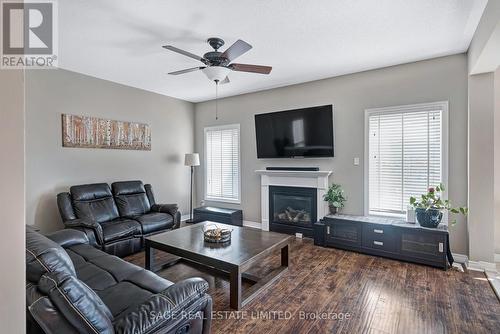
{"x": 117, "y": 218}
{"x": 72, "y": 287}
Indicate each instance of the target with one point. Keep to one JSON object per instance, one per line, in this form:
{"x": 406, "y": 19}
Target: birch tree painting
{"x": 93, "y": 132}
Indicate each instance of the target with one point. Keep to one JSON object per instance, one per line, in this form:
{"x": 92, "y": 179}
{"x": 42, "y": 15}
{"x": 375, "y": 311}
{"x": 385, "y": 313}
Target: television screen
{"x": 306, "y": 132}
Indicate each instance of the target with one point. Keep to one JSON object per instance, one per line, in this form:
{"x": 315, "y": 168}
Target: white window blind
{"x": 405, "y": 156}
{"x": 222, "y": 159}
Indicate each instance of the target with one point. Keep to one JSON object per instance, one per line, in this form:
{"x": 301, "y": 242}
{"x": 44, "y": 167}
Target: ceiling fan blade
{"x": 187, "y": 70}
{"x": 225, "y": 81}
{"x": 250, "y": 68}
{"x": 185, "y": 53}
{"x": 237, "y": 49}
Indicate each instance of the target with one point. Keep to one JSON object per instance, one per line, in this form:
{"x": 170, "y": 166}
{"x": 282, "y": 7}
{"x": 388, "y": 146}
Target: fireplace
{"x": 289, "y": 181}
{"x": 292, "y": 209}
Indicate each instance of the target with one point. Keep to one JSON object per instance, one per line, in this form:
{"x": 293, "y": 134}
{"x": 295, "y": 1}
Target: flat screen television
{"x": 306, "y": 132}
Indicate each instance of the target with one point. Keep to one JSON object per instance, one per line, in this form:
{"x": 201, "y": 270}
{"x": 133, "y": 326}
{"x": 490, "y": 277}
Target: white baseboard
{"x": 497, "y": 257}
{"x": 249, "y": 223}
{"x": 494, "y": 279}
{"x": 474, "y": 265}
{"x": 461, "y": 258}
{"x": 482, "y": 266}
{"x": 184, "y": 218}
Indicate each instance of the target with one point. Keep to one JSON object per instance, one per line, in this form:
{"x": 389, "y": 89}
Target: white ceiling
{"x": 304, "y": 40}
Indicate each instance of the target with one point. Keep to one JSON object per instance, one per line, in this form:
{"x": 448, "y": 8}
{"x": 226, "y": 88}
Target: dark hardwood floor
{"x": 372, "y": 294}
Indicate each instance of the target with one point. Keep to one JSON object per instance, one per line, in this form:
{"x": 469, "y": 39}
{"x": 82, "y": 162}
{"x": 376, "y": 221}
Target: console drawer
{"x": 378, "y": 236}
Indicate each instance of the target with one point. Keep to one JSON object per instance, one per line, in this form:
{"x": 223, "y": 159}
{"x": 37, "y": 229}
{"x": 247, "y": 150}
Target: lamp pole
{"x": 191, "y": 197}
{"x": 192, "y": 160}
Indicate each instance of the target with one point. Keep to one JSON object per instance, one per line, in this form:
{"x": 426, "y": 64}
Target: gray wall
{"x": 497, "y": 160}
{"x": 426, "y": 81}
{"x": 51, "y": 168}
{"x": 12, "y": 247}
{"x": 479, "y": 61}
{"x": 481, "y": 167}
{"x": 484, "y": 141}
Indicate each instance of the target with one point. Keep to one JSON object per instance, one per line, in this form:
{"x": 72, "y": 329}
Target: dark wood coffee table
{"x": 247, "y": 247}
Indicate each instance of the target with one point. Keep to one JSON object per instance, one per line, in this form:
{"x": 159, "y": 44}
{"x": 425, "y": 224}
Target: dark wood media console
{"x": 392, "y": 238}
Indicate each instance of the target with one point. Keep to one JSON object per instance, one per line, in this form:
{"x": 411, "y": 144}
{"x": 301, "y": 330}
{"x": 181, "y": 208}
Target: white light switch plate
{"x": 356, "y": 161}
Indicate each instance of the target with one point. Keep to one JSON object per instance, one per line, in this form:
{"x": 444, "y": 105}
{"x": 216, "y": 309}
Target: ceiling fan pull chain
{"x": 216, "y": 100}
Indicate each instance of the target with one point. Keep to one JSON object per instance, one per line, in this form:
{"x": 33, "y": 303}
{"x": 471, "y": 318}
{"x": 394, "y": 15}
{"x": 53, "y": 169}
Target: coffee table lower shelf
{"x": 236, "y": 273}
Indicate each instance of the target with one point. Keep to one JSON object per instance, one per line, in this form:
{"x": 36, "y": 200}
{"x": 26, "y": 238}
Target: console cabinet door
{"x": 423, "y": 245}
{"x": 343, "y": 233}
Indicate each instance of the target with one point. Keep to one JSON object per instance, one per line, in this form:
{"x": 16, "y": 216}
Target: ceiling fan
{"x": 219, "y": 64}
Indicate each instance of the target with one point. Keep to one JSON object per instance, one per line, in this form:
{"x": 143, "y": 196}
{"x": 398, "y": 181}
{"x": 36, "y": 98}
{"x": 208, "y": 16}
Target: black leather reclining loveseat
{"x": 72, "y": 287}
{"x": 117, "y": 218}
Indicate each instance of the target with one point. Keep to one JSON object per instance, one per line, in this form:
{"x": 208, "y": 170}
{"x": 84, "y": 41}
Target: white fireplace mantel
{"x": 292, "y": 178}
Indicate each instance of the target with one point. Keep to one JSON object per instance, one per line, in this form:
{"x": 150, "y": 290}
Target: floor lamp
{"x": 191, "y": 160}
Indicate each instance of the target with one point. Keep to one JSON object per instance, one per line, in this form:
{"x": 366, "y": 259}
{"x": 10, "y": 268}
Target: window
{"x": 222, "y": 163}
{"x": 405, "y": 154}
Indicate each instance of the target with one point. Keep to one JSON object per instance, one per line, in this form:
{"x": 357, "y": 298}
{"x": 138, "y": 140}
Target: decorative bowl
{"x": 216, "y": 234}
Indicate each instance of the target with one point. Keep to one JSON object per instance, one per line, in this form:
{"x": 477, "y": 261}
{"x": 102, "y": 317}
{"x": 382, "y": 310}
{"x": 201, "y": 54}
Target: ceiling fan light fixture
{"x": 216, "y": 73}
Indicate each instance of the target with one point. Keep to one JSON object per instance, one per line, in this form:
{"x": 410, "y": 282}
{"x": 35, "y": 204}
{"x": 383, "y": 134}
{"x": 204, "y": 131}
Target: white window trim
{"x": 205, "y": 178}
{"x": 442, "y": 105}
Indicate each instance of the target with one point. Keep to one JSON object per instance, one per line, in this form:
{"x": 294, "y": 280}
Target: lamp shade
{"x": 192, "y": 159}
{"x": 216, "y": 73}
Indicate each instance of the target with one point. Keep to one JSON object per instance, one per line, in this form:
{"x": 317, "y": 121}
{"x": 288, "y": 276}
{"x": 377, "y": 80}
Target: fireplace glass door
{"x": 293, "y": 206}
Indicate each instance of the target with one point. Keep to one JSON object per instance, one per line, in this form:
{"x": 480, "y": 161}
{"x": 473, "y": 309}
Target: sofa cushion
{"x": 81, "y": 306}
{"x": 117, "y": 282}
{"x": 44, "y": 256}
{"x": 136, "y": 287}
{"x": 121, "y": 295}
{"x": 94, "y": 202}
{"x": 100, "y": 271}
{"x": 155, "y": 221}
{"x": 120, "y": 228}
{"x": 131, "y": 198}
{"x": 95, "y": 277}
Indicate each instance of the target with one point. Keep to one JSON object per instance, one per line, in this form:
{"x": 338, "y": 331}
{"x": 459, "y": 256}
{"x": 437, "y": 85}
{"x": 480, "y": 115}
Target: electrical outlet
{"x": 356, "y": 161}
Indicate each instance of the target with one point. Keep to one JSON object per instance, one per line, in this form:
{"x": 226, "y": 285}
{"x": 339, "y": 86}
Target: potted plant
{"x": 429, "y": 207}
{"x": 335, "y": 198}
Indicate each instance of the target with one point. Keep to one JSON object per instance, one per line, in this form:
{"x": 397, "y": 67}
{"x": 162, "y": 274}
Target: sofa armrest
{"x": 68, "y": 237}
{"x": 174, "y": 307}
{"x": 65, "y": 206}
{"x": 87, "y": 224}
{"x": 171, "y": 209}
{"x": 150, "y": 194}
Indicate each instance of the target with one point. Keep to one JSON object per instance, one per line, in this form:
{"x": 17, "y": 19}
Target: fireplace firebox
{"x": 292, "y": 209}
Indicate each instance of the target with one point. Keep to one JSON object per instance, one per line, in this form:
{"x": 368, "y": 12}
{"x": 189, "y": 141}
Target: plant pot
{"x": 333, "y": 209}
{"x": 429, "y": 217}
